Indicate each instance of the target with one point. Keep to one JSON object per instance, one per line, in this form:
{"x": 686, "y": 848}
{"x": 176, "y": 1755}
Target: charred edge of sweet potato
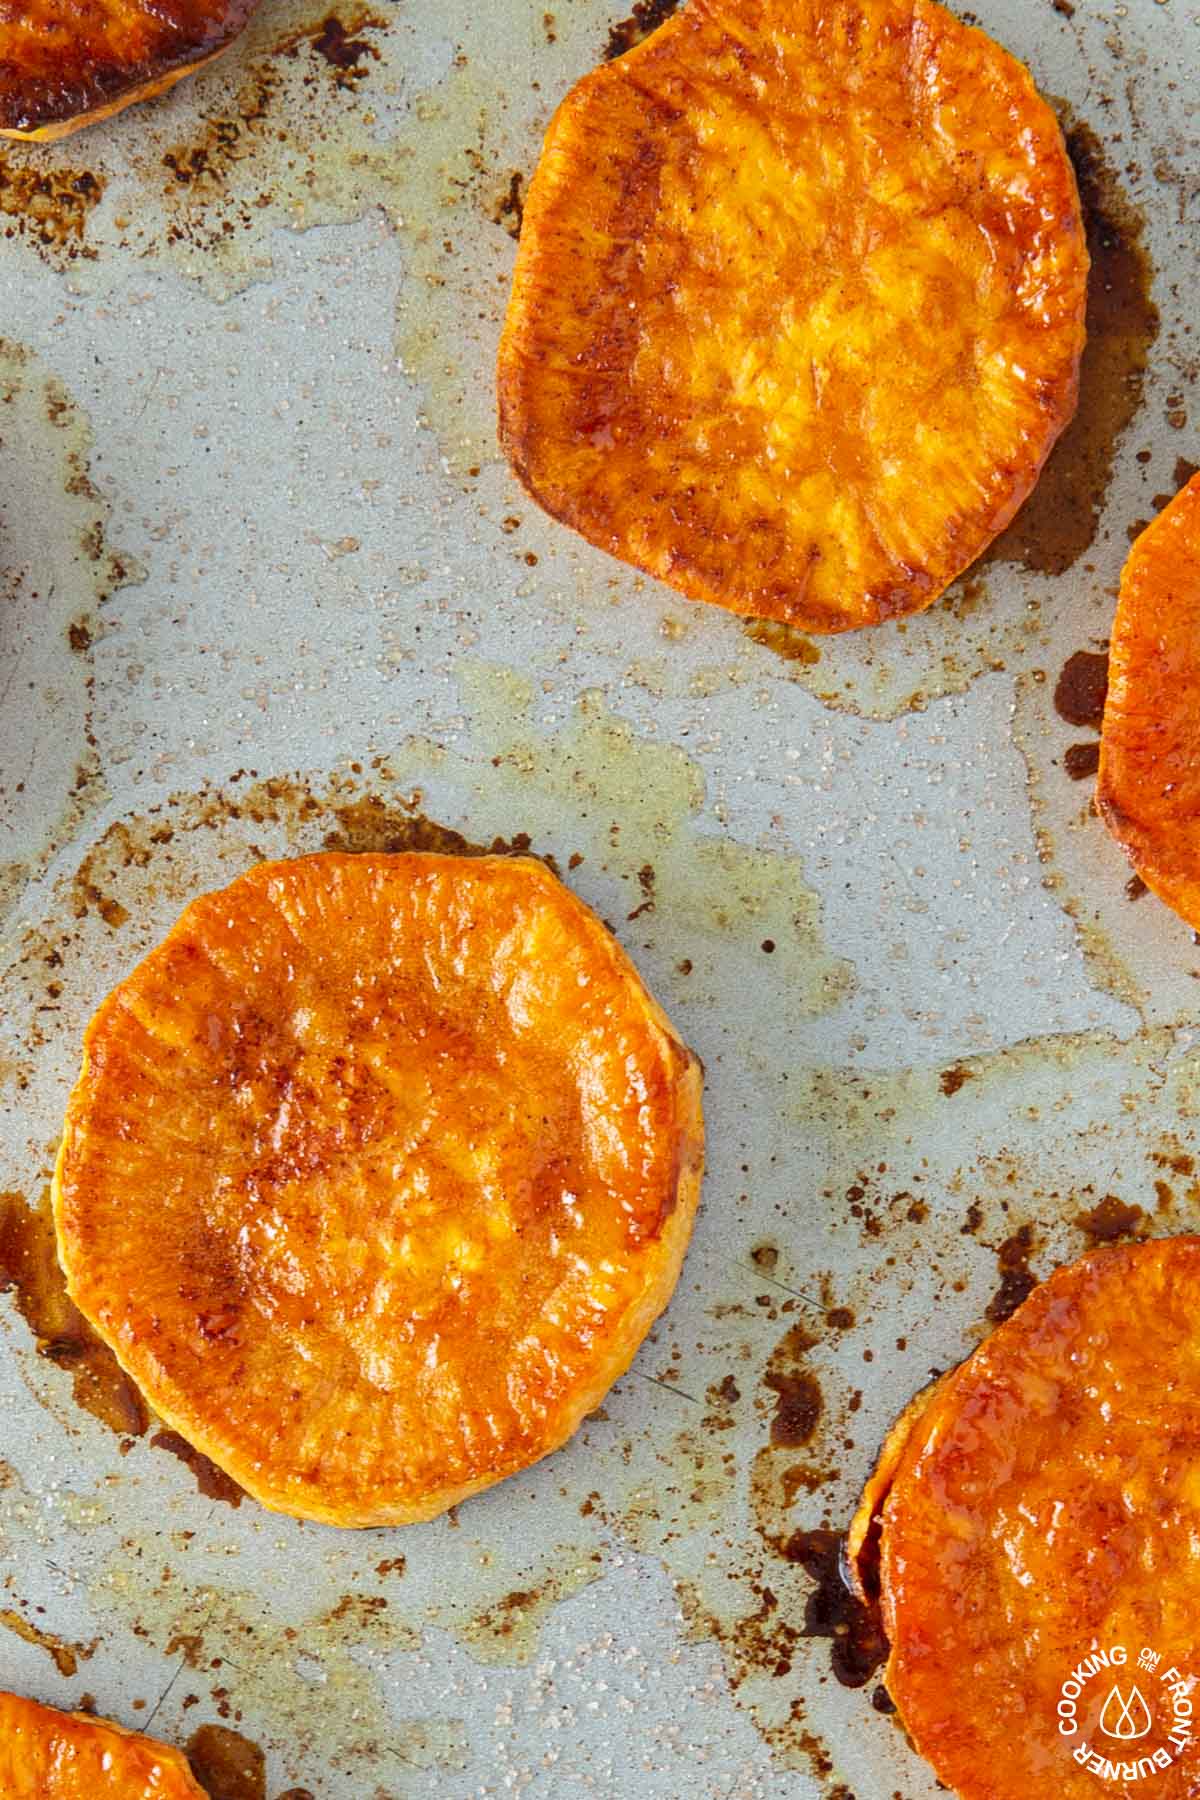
{"x": 41, "y": 109}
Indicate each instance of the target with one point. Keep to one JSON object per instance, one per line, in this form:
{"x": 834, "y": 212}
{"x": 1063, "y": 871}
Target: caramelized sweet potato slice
{"x": 798, "y": 305}
{"x": 377, "y": 1173}
{"x": 67, "y": 63}
{"x": 862, "y": 1539}
{"x": 51, "y": 1755}
{"x": 1148, "y": 787}
{"x": 1040, "y": 1534}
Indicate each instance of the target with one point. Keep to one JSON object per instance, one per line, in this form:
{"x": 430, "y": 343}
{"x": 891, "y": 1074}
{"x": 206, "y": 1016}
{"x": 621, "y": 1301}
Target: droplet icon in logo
{"x": 1127, "y": 1719}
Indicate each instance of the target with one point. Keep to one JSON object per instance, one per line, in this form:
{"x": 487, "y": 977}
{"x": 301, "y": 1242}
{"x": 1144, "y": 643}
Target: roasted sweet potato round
{"x": 377, "y": 1172}
{"x": 1148, "y": 787}
{"x": 51, "y": 1755}
{"x": 798, "y": 305}
{"x": 1039, "y": 1561}
{"x": 67, "y": 63}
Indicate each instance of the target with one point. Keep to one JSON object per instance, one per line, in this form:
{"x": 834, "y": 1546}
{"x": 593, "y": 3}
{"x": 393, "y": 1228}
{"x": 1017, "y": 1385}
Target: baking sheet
{"x": 266, "y": 586}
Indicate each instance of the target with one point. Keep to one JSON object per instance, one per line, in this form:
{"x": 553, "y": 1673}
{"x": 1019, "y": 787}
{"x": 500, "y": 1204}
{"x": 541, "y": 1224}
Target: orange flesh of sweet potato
{"x": 67, "y": 63}
{"x": 377, "y": 1173}
{"x": 1046, "y": 1506}
{"x": 1148, "y": 786}
{"x": 798, "y": 305}
{"x": 51, "y": 1755}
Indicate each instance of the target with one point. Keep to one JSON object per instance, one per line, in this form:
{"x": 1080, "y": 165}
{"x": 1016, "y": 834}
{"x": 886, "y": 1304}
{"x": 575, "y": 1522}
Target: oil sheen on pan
{"x": 51, "y": 1755}
{"x": 1036, "y": 1523}
{"x": 798, "y": 306}
{"x": 377, "y": 1173}
{"x": 1148, "y": 790}
{"x": 67, "y": 63}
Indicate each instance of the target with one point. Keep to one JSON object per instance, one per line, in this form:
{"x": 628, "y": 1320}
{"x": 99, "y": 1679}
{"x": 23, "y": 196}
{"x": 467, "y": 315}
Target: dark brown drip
{"x": 29, "y": 1270}
{"x": 858, "y": 1647}
{"x": 1060, "y": 518}
{"x": 1109, "y": 1219}
{"x": 227, "y": 1765}
{"x": 1017, "y": 1279}
{"x": 1081, "y": 760}
{"x": 1082, "y": 688}
{"x": 212, "y": 1482}
{"x": 647, "y": 16}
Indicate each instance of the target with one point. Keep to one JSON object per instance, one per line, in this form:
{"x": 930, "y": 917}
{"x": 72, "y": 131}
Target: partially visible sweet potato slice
{"x": 862, "y": 1539}
{"x": 798, "y": 305}
{"x": 1148, "y": 788}
{"x": 377, "y": 1173}
{"x": 1045, "y": 1512}
{"x": 50, "y": 1755}
{"x": 68, "y": 63}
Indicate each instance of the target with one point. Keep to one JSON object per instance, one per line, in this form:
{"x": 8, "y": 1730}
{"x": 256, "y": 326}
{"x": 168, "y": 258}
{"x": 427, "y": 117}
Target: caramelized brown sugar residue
{"x": 1060, "y": 519}
{"x": 1081, "y": 761}
{"x": 227, "y": 1765}
{"x": 212, "y": 1482}
{"x": 65, "y": 1656}
{"x": 30, "y": 1271}
{"x": 1081, "y": 688}
{"x": 689, "y": 374}
{"x": 432, "y": 1150}
{"x": 1017, "y": 1279}
{"x": 47, "y": 205}
{"x": 61, "y": 60}
{"x": 1059, "y": 1461}
{"x": 1110, "y": 1219}
{"x": 858, "y": 1648}
{"x": 342, "y": 49}
{"x": 647, "y": 16}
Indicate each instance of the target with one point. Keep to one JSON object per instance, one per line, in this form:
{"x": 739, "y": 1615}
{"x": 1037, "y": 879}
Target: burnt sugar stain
{"x": 858, "y": 1647}
{"x": 370, "y": 823}
{"x": 65, "y": 1656}
{"x": 509, "y": 209}
{"x": 1184, "y": 470}
{"x": 1060, "y": 518}
{"x": 47, "y": 206}
{"x": 647, "y": 16}
{"x": 1109, "y": 1220}
{"x": 798, "y": 1400}
{"x": 226, "y": 138}
{"x": 1135, "y": 887}
{"x": 785, "y": 640}
{"x": 212, "y": 1482}
{"x": 336, "y": 37}
{"x": 29, "y": 1270}
{"x": 1081, "y": 760}
{"x": 798, "y": 1407}
{"x": 951, "y": 1080}
{"x": 505, "y": 1616}
{"x": 227, "y": 1765}
{"x": 344, "y": 50}
{"x": 1017, "y": 1279}
{"x": 1082, "y": 688}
